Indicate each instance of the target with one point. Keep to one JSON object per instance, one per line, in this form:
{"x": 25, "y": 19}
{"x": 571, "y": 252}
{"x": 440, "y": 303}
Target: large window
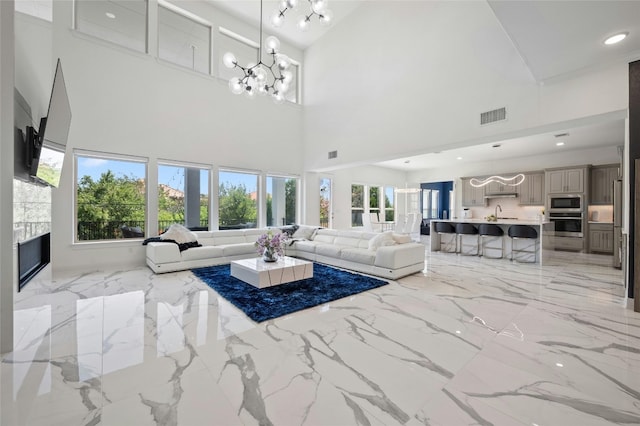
{"x": 110, "y": 197}
{"x": 389, "y": 203}
{"x": 42, "y": 9}
{"x": 293, "y": 95}
{"x": 281, "y": 200}
{"x": 183, "y": 38}
{"x": 244, "y": 50}
{"x": 183, "y": 196}
{"x": 238, "y": 200}
{"x": 374, "y": 200}
{"x": 357, "y": 204}
{"x": 123, "y": 22}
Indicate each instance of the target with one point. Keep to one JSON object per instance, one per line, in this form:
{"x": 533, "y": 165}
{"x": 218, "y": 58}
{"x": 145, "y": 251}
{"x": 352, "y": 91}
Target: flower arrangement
{"x": 271, "y": 244}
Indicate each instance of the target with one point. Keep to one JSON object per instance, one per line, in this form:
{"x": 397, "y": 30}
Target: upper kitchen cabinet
{"x": 472, "y": 196}
{"x": 496, "y": 188}
{"x": 532, "y": 190}
{"x": 602, "y": 178}
{"x": 565, "y": 181}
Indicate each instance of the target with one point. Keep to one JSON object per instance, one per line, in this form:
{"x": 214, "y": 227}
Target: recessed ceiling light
{"x": 616, "y": 38}
{"x": 110, "y": 15}
{"x": 559, "y": 143}
{"x": 407, "y": 161}
{"x": 459, "y": 158}
{"x": 496, "y": 145}
{"x": 559, "y": 364}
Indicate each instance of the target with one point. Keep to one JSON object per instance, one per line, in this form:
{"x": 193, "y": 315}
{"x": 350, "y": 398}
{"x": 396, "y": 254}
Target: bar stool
{"x": 489, "y": 230}
{"x": 463, "y": 229}
{"x": 517, "y": 232}
{"x": 443, "y": 228}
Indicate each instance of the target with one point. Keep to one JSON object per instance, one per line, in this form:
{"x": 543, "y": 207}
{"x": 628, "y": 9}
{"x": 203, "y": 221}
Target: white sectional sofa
{"x": 352, "y": 250}
{"x": 218, "y": 247}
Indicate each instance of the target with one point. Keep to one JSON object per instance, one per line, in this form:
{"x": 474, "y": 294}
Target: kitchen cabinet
{"x": 602, "y": 178}
{"x": 601, "y": 238}
{"x": 472, "y": 196}
{"x": 497, "y": 188}
{"x": 565, "y": 181}
{"x": 532, "y": 190}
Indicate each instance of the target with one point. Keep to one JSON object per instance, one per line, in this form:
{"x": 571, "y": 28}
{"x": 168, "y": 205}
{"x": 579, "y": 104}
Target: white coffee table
{"x": 261, "y": 274}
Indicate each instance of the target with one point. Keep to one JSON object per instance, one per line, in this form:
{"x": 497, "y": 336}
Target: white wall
{"x": 130, "y": 103}
{"x": 400, "y": 78}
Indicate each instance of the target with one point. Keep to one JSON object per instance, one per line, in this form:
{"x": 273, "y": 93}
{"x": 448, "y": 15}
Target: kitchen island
{"x": 493, "y": 245}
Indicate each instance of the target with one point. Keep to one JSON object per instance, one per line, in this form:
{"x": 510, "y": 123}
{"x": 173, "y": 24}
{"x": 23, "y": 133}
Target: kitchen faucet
{"x": 498, "y": 206}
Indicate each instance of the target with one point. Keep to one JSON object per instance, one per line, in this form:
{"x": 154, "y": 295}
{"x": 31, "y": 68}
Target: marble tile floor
{"x": 471, "y": 341}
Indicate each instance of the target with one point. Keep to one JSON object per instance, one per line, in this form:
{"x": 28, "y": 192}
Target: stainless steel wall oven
{"x": 568, "y": 224}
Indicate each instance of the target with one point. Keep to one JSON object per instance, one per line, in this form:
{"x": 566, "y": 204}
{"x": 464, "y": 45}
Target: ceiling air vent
{"x": 333, "y": 154}
{"x": 489, "y": 117}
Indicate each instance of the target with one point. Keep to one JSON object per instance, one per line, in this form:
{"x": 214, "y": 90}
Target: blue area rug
{"x": 260, "y": 305}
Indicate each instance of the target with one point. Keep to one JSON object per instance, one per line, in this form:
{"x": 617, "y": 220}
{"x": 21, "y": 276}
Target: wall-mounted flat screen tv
{"x": 50, "y": 165}
{"x": 46, "y": 147}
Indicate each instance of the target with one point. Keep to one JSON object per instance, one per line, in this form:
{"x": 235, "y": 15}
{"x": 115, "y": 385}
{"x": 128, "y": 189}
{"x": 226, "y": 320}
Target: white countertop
{"x": 498, "y": 222}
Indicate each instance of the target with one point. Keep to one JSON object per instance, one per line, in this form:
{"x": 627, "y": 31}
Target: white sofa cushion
{"x": 234, "y": 237}
{"x": 329, "y": 250}
{"x": 399, "y": 255}
{"x": 324, "y": 237}
{"x": 305, "y": 232}
{"x": 204, "y": 252}
{"x": 380, "y": 240}
{"x": 164, "y": 252}
{"x": 401, "y": 238}
{"x": 238, "y": 249}
{"x": 179, "y": 234}
{"x": 358, "y": 255}
{"x": 306, "y": 246}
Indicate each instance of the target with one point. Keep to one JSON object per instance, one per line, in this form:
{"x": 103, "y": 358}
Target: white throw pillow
{"x": 179, "y": 234}
{"x": 380, "y": 240}
{"x": 304, "y": 232}
{"x": 401, "y": 238}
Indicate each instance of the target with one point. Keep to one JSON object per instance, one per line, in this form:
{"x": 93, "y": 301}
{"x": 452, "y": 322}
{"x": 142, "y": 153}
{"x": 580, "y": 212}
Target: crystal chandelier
{"x": 261, "y": 78}
{"x": 316, "y": 8}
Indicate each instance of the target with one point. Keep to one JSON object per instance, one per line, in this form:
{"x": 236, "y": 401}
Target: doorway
{"x": 436, "y": 201}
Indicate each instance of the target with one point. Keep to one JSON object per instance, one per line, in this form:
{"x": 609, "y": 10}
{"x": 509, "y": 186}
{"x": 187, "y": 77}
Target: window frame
{"x": 113, "y": 157}
{"x": 355, "y": 209}
{"x": 259, "y": 191}
{"x": 185, "y": 165}
{"x": 192, "y": 17}
{"x": 297, "y": 194}
{"x": 147, "y": 26}
{"x": 393, "y": 201}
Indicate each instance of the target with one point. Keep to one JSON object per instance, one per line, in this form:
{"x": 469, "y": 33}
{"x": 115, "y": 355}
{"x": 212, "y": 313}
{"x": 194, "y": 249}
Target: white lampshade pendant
{"x": 326, "y": 18}
{"x": 273, "y": 44}
{"x": 303, "y": 23}
{"x": 318, "y": 6}
{"x": 236, "y": 86}
{"x": 277, "y": 18}
{"x": 229, "y": 60}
